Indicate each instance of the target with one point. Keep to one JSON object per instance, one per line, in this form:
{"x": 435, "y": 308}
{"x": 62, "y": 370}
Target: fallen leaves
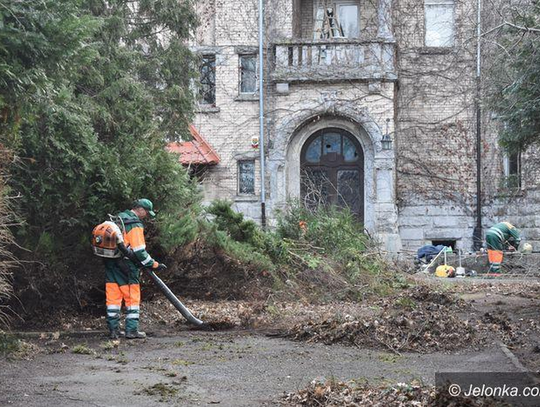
{"x": 428, "y": 322}
{"x": 353, "y": 394}
{"x": 420, "y": 319}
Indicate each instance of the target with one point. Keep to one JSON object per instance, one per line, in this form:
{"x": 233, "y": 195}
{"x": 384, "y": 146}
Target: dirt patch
{"x": 506, "y": 307}
{"x": 267, "y": 315}
{"x": 159, "y": 315}
{"x": 514, "y": 314}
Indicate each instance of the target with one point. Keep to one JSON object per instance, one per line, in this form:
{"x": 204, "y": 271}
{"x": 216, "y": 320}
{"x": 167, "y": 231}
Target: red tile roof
{"x": 196, "y": 151}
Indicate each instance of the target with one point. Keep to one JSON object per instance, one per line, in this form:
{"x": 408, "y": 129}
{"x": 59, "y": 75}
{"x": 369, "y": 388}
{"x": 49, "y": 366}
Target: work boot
{"x": 135, "y": 335}
{"x": 114, "y": 334}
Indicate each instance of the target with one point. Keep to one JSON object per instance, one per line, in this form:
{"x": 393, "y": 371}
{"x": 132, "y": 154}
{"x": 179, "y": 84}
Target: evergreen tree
{"x": 515, "y": 77}
{"x": 89, "y": 92}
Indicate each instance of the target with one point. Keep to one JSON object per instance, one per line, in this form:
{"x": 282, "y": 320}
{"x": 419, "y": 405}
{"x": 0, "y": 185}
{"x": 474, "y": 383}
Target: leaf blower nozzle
{"x": 176, "y": 302}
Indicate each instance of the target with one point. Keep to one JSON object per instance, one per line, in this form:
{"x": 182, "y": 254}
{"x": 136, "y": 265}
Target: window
{"x": 331, "y": 142}
{"x": 512, "y": 170}
{"x": 246, "y": 177}
{"x": 348, "y": 19}
{"x": 347, "y": 23}
{"x": 439, "y": 17}
{"x": 448, "y": 243}
{"x": 248, "y": 73}
{"x": 207, "y": 89}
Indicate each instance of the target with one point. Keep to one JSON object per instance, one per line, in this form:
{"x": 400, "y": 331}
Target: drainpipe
{"x": 261, "y": 112}
{"x": 477, "y": 233}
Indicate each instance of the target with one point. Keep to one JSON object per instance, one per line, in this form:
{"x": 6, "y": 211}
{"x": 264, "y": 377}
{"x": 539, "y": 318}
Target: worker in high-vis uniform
{"x": 123, "y": 274}
{"x": 500, "y": 237}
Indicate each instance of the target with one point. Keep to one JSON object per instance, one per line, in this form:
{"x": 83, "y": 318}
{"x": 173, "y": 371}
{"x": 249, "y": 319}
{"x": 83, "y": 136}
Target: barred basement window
{"x": 248, "y": 73}
{"x": 246, "y": 177}
{"x": 207, "y": 89}
{"x": 439, "y": 19}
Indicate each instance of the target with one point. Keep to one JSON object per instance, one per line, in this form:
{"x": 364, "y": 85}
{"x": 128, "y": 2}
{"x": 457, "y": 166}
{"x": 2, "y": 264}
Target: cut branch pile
{"x": 422, "y": 321}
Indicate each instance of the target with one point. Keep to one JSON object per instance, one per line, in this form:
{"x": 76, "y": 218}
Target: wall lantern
{"x": 386, "y": 140}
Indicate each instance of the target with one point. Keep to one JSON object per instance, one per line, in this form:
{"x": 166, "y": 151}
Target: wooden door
{"x": 332, "y": 171}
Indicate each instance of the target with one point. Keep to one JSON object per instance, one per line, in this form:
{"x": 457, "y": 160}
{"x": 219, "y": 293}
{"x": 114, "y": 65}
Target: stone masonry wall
{"x": 233, "y": 122}
{"x": 436, "y": 137}
{"x": 431, "y": 110}
{"x": 435, "y": 141}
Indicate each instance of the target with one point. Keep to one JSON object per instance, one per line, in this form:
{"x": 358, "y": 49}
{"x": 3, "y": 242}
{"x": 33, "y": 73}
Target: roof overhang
{"x": 194, "y": 152}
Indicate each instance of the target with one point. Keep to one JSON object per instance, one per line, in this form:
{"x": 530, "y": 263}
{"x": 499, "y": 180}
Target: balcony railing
{"x": 343, "y": 59}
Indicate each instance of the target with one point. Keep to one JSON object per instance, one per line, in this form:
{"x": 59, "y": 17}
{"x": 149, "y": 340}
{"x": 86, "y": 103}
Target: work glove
{"x": 161, "y": 266}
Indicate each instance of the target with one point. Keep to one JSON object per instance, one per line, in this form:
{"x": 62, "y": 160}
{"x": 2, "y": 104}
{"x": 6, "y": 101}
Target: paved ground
{"x": 248, "y": 368}
{"x": 199, "y": 368}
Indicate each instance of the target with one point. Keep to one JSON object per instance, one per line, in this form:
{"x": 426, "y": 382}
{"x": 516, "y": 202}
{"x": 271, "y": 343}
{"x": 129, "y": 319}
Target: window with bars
{"x": 246, "y": 177}
{"x": 207, "y": 86}
{"x": 440, "y": 24}
{"x": 248, "y": 74}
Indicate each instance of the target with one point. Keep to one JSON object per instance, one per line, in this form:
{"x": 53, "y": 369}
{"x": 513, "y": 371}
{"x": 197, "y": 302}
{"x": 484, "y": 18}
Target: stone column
{"x": 385, "y": 207}
{"x": 384, "y": 18}
{"x": 277, "y": 191}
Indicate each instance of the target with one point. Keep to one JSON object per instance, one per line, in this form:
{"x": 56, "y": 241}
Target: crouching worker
{"x": 122, "y": 271}
{"x": 502, "y": 236}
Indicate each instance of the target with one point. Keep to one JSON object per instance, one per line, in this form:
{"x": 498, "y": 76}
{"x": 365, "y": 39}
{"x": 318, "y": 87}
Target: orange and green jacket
{"x": 134, "y": 238}
{"x": 499, "y": 236}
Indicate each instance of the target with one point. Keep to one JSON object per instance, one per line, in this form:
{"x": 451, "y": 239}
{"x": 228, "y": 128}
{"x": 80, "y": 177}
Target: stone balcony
{"x": 334, "y": 60}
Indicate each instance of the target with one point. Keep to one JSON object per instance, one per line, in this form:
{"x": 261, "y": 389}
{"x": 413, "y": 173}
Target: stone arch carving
{"x": 293, "y": 132}
{"x": 345, "y": 111}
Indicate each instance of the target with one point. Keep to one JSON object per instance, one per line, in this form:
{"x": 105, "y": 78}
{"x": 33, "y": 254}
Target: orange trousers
{"x": 122, "y": 286}
{"x": 495, "y": 258}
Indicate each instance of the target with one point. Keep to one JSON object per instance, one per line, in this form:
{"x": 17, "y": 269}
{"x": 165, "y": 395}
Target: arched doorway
{"x": 332, "y": 171}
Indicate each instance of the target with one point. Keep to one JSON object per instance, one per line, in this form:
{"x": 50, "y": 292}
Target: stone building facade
{"x": 404, "y": 70}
